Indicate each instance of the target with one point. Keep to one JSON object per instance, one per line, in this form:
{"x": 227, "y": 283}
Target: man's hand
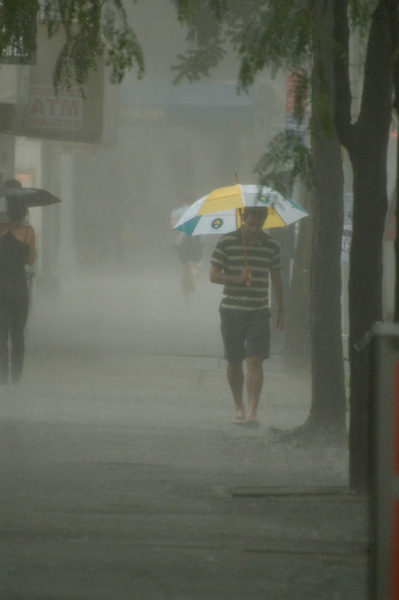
{"x": 216, "y": 275}
{"x": 245, "y": 276}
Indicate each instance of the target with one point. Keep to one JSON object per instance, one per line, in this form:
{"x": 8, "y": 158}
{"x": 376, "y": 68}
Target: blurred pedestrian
{"x": 244, "y": 309}
{"x": 190, "y": 250}
{"x": 17, "y": 248}
{"x": 12, "y": 184}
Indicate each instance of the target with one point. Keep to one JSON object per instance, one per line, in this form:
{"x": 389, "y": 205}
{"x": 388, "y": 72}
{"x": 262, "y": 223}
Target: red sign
{"x": 395, "y": 516}
{"x": 292, "y": 82}
{"x": 384, "y": 565}
{"x": 395, "y": 554}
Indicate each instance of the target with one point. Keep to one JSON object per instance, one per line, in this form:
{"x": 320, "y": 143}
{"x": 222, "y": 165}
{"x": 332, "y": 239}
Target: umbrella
{"x": 29, "y": 196}
{"x": 220, "y": 211}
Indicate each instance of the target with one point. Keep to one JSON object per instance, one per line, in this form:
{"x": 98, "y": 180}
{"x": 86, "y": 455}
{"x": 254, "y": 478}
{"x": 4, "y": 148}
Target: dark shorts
{"x": 245, "y": 334}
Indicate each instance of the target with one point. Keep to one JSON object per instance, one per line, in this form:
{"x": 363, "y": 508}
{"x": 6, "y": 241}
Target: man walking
{"x": 244, "y": 309}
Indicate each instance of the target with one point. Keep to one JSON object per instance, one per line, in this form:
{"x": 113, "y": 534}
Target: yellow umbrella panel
{"x": 222, "y": 199}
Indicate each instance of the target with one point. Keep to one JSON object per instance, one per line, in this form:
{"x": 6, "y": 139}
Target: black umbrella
{"x": 28, "y": 196}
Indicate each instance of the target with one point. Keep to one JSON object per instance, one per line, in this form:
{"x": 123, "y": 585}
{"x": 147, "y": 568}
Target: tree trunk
{"x": 396, "y": 302}
{"x": 328, "y": 387}
{"x": 367, "y": 142}
{"x": 365, "y": 297}
{"x": 328, "y": 409}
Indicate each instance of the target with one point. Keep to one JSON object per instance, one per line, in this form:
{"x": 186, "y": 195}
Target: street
{"x": 122, "y": 477}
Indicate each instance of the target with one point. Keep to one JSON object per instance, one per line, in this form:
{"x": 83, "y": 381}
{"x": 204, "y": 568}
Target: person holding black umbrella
{"x": 17, "y": 248}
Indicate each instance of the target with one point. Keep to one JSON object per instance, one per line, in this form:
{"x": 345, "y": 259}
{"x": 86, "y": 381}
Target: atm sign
{"x": 48, "y": 111}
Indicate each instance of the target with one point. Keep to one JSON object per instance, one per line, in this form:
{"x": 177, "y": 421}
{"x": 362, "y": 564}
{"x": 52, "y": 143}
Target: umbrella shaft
{"x": 243, "y": 239}
{"x": 249, "y": 282}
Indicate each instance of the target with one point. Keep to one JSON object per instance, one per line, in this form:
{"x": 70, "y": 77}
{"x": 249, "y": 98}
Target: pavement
{"x": 123, "y": 478}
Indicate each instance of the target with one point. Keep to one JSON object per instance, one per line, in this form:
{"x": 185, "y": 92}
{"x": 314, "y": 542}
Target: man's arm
{"x": 278, "y": 289}
{"x": 216, "y": 275}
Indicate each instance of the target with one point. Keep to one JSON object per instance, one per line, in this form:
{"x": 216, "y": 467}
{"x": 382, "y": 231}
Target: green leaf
{"x": 285, "y": 159}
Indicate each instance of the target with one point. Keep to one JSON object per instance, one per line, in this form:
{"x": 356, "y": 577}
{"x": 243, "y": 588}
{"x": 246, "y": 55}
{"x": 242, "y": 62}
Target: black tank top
{"x": 13, "y": 257}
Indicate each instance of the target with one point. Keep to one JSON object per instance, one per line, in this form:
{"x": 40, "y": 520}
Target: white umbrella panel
{"x": 218, "y": 212}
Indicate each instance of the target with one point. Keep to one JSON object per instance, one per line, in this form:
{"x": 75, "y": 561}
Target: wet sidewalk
{"x": 124, "y": 479}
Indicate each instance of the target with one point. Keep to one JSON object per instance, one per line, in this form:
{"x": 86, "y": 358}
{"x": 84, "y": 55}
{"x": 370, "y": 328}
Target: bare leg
{"x": 195, "y": 271}
{"x": 186, "y": 282}
{"x": 235, "y": 377}
{"x": 254, "y": 383}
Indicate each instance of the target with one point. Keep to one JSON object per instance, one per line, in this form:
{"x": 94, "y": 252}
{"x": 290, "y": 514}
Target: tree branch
{"x": 343, "y": 94}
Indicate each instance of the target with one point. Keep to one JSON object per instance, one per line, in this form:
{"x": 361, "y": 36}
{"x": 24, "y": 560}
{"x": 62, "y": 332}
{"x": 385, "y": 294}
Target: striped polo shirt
{"x": 262, "y": 256}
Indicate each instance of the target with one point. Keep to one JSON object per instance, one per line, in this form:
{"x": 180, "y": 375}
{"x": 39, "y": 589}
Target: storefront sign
{"x": 64, "y": 115}
{"x": 48, "y": 111}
